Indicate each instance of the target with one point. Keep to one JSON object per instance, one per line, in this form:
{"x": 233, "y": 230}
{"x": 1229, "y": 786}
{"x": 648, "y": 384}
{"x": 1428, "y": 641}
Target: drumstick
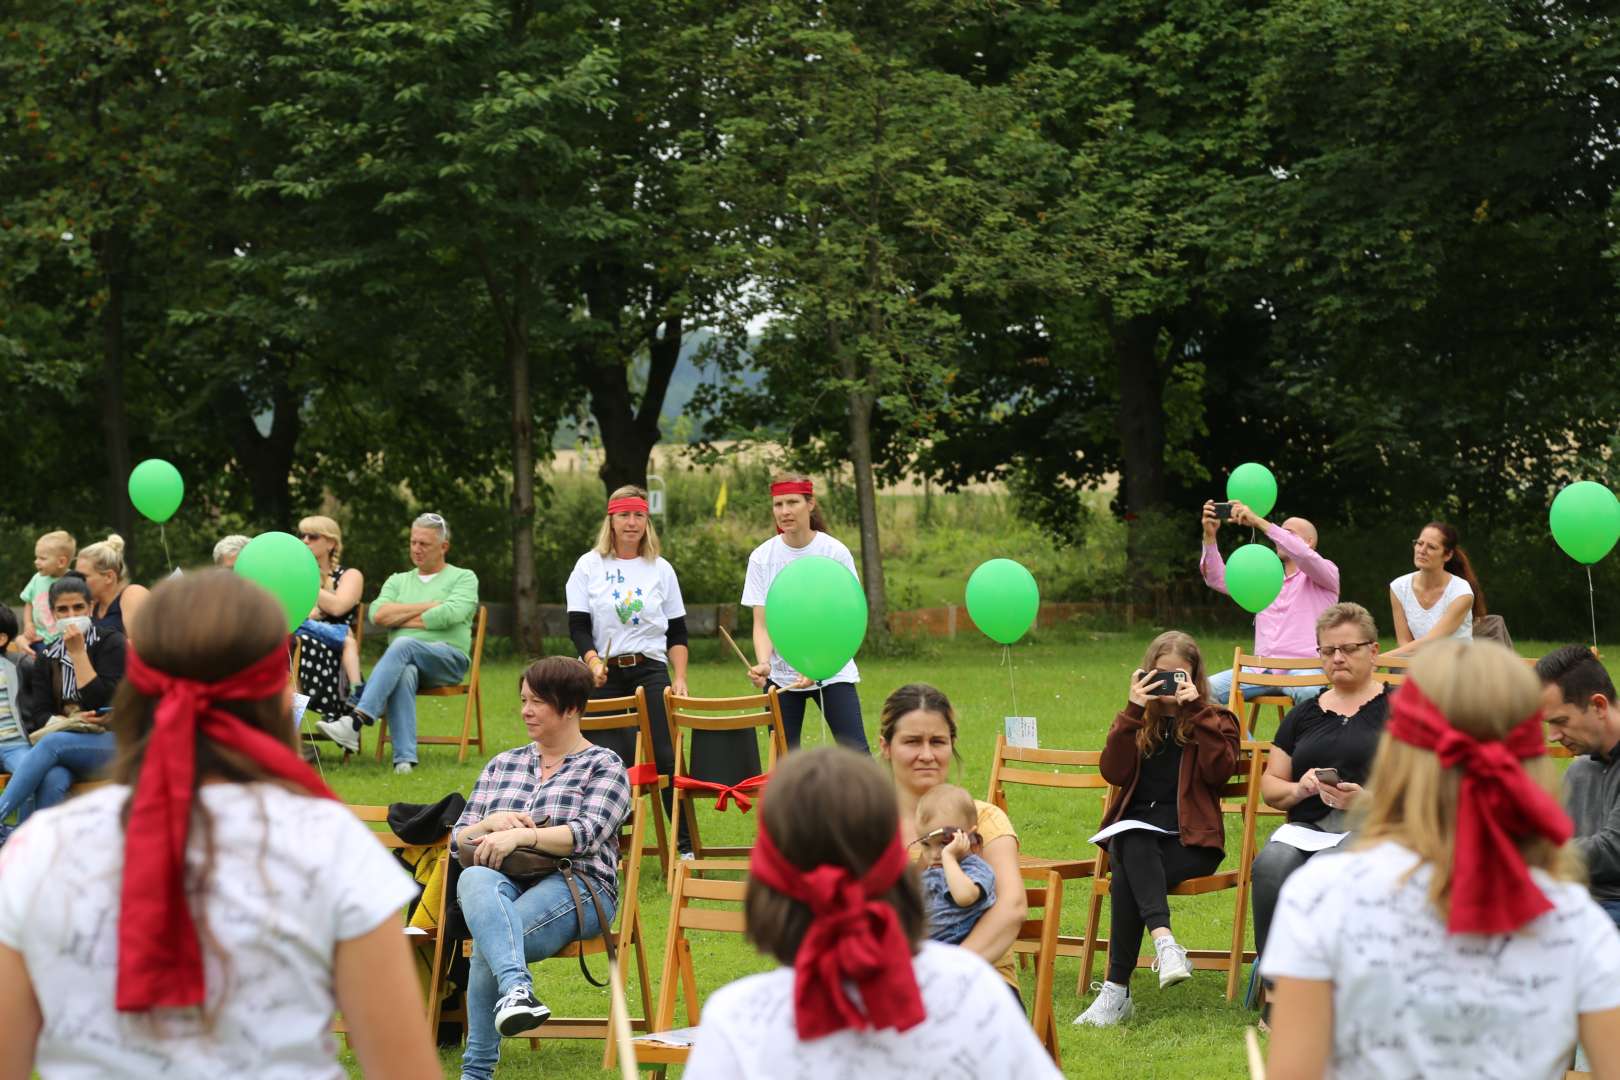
{"x": 621, "y": 1025}
{"x": 1257, "y": 1064}
{"x": 734, "y": 648}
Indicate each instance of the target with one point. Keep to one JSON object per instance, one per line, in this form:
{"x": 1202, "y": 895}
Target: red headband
{"x": 1491, "y": 888}
{"x": 852, "y": 937}
{"x": 159, "y": 959}
{"x": 627, "y": 504}
{"x": 792, "y": 487}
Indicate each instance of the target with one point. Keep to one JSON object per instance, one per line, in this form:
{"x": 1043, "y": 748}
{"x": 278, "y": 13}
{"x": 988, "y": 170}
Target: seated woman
{"x": 1323, "y": 751}
{"x": 76, "y": 676}
{"x": 1167, "y": 756}
{"x": 325, "y": 670}
{"x": 1441, "y": 598}
{"x": 831, "y": 898}
{"x": 205, "y": 913}
{"x": 1456, "y": 938}
{"x": 560, "y": 793}
{"x": 116, "y": 599}
{"x": 917, "y": 738}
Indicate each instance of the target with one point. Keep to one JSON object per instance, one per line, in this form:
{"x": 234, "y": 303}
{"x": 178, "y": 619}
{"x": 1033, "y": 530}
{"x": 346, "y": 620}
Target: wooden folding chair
{"x": 420, "y": 937}
{"x": 1005, "y": 771}
{"x": 472, "y": 689}
{"x": 665, "y": 1045}
{"x": 1391, "y": 669}
{"x": 1039, "y": 938}
{"x": 1310, "y": 674}
{"x": 1240, "y": 796}
{"x": 719, "y": 714}
{"x": 627, "y": 935}
{"x": 630, "y": 711}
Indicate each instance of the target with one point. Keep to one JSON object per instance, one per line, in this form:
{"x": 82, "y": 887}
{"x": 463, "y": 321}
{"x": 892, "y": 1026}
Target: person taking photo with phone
{"x": 1322, "y": 755}
{"x": 1286, "y": 627}
{"x": 1167, "y": 756}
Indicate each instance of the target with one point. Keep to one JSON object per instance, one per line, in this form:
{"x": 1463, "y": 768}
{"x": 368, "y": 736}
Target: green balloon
{"x": 1585, "y": 520}
{"x": 1254, "y": 576}
{"x": 1002, "y": 600}
{"x": 281, "y": 563}
{"x": 816, "y": 613}
{"x": 1253, "y": 485}
{"x": 155, "y": 487}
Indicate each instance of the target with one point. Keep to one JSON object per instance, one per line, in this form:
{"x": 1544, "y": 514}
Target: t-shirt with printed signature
{"x": 630, "y": 602}
{"x": 293, "y": 876}
{"x": 770, "y": 559}
{"x": 1410, "y": 999}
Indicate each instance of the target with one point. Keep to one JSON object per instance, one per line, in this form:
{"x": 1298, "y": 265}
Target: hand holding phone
{"x": 1329, "y": 777}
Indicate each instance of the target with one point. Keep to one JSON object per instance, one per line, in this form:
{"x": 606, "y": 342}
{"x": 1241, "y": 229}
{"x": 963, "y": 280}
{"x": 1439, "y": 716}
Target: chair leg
{"x": 1088, "y": 953}
{"x": 663, "y": 835}
{"x": 466, "y": 730}
{"x": 382, "y": 736}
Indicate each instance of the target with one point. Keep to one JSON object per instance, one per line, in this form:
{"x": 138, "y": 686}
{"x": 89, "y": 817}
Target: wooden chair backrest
{"x": 473, "y": 673}
{"x": 679, "y": 974}
{"x": 725, "y": 714}
{"x": 620, "y": 713}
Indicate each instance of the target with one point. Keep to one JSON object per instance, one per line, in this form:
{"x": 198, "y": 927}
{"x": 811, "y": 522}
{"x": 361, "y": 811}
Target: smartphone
{"x": 1223, "y": 511}
{"x": 1166, "y": 683}
{"x": 1328, "y": 776}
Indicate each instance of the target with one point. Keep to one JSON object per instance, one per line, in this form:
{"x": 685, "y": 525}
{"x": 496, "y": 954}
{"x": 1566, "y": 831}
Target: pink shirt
{"x": 1288, "y": 626}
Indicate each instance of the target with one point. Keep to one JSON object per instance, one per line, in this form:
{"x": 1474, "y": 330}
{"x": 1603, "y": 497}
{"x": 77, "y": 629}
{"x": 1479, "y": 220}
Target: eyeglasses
{"x": 312, "y": 536}
{"x": 1327, "y": 652}
{"x": 943, "y": 835}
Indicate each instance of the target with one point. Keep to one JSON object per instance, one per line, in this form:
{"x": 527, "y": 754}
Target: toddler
{"x": 53, "y": 554}
{"x": 958, "y": 886}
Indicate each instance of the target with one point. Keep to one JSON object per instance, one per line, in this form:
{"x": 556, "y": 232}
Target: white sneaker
{"x": 1171, "y": 962}
{"x": 403, "y": 768}
{"x": 341, "y": 731}
{"x": 1111, "y": 1006}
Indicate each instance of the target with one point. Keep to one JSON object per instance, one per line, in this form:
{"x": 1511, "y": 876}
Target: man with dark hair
{"x": 1578, "y": 699}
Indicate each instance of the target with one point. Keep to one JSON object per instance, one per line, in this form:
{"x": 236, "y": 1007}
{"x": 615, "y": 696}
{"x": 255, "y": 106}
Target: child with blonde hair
{"x": 958, "y": 885}
{"x": 53, "y": 554}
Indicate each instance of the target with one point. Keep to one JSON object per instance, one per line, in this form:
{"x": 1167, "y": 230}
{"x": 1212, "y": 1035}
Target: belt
{"x": 627, "y": 660}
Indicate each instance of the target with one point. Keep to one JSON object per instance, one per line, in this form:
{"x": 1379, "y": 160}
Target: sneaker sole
{"x": 515, "y": 1023}
{"x": 345, "y": 744}
{"x": 1172, "y": 979}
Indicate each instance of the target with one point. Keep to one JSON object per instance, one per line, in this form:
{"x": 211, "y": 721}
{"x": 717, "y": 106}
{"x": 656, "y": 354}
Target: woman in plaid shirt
{"x": 559, "y": 793}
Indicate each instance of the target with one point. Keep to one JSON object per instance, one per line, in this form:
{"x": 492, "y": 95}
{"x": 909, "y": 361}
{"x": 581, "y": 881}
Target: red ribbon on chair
{"x": 740, "y": 791}
{"x": 643, "y": 775}
{"x": 160, "y": 960}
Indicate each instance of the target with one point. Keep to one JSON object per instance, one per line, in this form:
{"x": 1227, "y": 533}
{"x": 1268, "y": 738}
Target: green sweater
{"x": 455, "y": 589}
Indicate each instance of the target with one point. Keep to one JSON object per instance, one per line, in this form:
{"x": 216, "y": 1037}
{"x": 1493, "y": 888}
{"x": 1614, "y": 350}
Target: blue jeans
{"x": 839, "y": 703}
{"x": 391, "y": 690}
{"x": 1611, "y": 908}
{"x": 499, "y": 916}
{"x": 1220, "y": 689}
{"x": 44, "y": 771}
{"x": 53, "y": 788}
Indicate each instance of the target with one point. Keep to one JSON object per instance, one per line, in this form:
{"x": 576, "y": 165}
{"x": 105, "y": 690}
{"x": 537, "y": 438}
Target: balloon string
{"x": 1006, "y": 658}
{"x": 165, "y": 538}
{"x": 1591, "y": 602}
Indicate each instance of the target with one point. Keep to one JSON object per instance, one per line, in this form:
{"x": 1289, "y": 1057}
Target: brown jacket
{"x": 1207, "y": 763}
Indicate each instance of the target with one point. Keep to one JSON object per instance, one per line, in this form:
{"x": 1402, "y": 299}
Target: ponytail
{"x": 1457, "y": 563}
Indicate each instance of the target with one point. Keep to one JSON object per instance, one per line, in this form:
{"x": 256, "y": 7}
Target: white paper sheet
{"x": 1125, "y": 826}
{"x": 1021, "y": 731}
{"x": 676, "y": 1037}
{"x": 1298, "y": 836}
{"x": 299, "y": 704}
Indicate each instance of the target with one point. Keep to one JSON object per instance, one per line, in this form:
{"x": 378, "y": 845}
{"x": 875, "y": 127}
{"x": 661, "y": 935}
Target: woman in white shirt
{"x": 128, "y": 949}
{"x": 1441, "y": 598}
{"x": 1455, "y": 938}
{"x": 800, "y": 531}
{"x": 860, "y": 993}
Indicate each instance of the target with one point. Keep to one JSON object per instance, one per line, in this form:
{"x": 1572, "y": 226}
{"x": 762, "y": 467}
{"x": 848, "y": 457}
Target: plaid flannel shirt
{"x": 589, "y": 793}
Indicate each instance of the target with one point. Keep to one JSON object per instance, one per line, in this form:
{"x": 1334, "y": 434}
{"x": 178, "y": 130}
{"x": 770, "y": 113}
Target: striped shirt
{"x": 590, "y": 794}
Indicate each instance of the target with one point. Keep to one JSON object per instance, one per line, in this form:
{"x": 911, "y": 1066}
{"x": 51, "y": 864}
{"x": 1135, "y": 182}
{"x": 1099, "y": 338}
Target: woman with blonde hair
{"x": 1167, "y": 755}
{"x": 1455, "y": 938}
{"x": 325, "y": 654}
{"x": 116, "y": 598}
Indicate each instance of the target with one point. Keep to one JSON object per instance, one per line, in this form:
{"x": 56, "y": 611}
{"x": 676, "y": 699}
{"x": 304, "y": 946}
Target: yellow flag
{"x": 720, "y": 499}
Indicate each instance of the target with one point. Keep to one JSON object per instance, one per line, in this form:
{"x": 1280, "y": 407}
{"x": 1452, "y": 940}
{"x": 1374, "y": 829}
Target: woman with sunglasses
{"x": 1323, "y": 752}
{"x": 1441, "y": 598}
{"x": 336, "y": 611}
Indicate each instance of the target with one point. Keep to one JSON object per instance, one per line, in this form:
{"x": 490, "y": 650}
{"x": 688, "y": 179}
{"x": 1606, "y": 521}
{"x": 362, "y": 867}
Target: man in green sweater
{"x": 429, "y": 614}
{"x": 1577, "y": 698}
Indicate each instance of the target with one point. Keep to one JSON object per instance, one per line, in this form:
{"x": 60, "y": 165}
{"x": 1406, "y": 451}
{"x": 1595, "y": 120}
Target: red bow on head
{"x": 159, "y": 958}
{"x": 853, "y": 937}
{"x": 739, "y": 791}
{"x": 1491, "y": 888}
{"x": 627, "y": 504}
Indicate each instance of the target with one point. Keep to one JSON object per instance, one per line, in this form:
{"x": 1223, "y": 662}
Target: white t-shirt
{"x": 768, "y": 560}
{"x": 630, "y": 602}
{"x": 292, "y": 877}
{"x": 1420, "y": 620}
{"x": 974, "y": 1028}
{"x": 1409, "y": 999}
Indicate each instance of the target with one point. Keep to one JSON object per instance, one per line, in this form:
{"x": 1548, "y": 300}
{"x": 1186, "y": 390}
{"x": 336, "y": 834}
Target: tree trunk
{"x": 267, "y": 460}
{"x": 861, "y": 401}
{"x": 112, "y": 252}
{"x": 526, "y": 626}
{"x": 1141, "y": 433}
{"x": 629, "y": 430}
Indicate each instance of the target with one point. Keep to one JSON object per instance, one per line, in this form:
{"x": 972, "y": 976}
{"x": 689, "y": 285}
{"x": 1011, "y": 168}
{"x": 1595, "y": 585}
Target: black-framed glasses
{"x": 1327, "y": 652}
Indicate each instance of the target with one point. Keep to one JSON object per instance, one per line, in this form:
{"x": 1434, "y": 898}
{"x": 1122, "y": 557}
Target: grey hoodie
{"x": 1592, "y": 797}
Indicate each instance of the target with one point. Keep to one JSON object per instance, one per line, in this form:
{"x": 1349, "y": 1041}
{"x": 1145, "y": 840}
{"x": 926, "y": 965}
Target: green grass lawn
{"x": 1073, "y": 681}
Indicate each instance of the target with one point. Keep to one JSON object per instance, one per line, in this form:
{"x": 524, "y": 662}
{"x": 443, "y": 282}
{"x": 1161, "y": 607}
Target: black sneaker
{"x": 518, "y": 1011}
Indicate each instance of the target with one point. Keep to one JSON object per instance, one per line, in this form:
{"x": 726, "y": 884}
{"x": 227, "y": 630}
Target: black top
{"x": 1154, "y": 800}
{"x": 1314, "y": 738}
{"x": 114, "y": 618}
{"x": 349, "y": 618}
{"x": 40, "y": 697}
